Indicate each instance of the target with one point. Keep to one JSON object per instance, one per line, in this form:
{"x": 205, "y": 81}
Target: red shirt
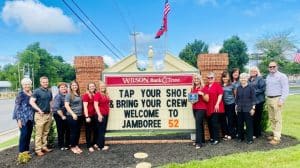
{"x": 103, "y": 103}
{"x": 213, "y": 92}
{"x": 90, "y": 107}
{"x": 200, "y": 104}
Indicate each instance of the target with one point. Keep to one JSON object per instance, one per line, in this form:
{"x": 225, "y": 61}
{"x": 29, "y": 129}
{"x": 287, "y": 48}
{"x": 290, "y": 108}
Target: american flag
{"x": 164, "y": 27}
{"x": 297, "y": 56}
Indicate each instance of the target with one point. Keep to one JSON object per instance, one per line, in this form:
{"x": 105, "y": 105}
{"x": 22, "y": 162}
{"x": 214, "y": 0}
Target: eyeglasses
{"x": 272, "y": 67}
{"x": 210, "y": 77}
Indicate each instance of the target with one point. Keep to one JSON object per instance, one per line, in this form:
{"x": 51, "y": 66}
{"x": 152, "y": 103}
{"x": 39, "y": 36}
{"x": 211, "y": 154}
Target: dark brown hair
{"x": 224, "y": 74}
{"x": 71, "y": 91}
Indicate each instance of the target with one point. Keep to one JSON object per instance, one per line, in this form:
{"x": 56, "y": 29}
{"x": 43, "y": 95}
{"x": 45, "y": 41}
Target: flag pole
{"x": 166, "y": 35}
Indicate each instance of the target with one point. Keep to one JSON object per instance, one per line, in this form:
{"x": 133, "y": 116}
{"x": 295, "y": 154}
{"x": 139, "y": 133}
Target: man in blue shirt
{"x": 277, "y": 90}
{"x": 40, "y": 101}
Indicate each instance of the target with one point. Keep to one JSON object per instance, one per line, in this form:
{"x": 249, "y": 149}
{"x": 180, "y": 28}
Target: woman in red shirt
{"x": 101, "y": 104}
{"x": 90, "y": 117}
{"x": 215, "y": 107}
{"x": 199, "y": 108}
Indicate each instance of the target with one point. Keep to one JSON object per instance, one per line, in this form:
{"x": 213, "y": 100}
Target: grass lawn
{"x": 9, "y": 143}
{"x": 289, "y": 157}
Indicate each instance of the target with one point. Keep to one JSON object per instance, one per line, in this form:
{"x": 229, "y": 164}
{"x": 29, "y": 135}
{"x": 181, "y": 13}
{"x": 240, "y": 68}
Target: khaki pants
{"x": 275, "y": 116}
{"x": 42, "y": 127}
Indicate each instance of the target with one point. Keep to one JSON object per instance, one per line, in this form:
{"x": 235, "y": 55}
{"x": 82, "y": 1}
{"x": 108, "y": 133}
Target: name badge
{"x": 193, "y": 97}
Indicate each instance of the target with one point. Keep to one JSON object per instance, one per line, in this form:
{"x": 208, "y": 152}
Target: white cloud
{"x": 34, "y": 17}
{"x": 214, "y": 48}
{"x": 109, "y": 60}
{"x": 204, "y": 2}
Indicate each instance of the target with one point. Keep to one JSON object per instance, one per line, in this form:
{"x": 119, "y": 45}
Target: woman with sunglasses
{"x": 215, "y": 107}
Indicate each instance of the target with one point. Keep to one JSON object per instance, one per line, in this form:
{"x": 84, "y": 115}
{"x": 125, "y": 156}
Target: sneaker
{"x": 62, "y": 149}
{"x": 274, "y": 142}
{"x": 254, "y": 137}
{"x": 198, "y": 146}
{"x": 250, "y": 142}
{"x": 215, "y": 142}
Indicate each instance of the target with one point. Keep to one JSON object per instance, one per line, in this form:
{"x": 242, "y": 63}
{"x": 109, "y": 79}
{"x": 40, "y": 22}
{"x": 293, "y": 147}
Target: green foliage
{"x": 45, "y": 64}
{"x": 52, "y": 134}
{"x": 264, "y": 119}
{"x": 39, "y": 63}
{"x": 237, "y": 52}
{"x": 23, "y": 158}
{"x": 276, "y": 47}
{"x": 191, "y": 51}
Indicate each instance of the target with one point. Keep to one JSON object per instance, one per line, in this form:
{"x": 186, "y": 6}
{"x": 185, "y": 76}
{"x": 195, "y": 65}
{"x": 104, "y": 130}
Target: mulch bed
{"x": 122, "y": 155}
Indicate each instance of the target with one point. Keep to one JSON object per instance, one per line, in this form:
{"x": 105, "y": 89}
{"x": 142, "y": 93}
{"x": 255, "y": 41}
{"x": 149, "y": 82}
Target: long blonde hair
{"x": 100, "y": 90}
{"x": 197, "y": 75}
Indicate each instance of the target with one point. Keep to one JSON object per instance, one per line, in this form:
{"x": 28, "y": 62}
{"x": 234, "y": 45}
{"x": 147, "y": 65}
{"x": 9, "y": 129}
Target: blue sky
{"x": 52, "y": 24}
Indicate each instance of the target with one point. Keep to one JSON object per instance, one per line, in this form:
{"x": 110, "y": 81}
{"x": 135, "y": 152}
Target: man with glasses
{"x": 277, "y": 90}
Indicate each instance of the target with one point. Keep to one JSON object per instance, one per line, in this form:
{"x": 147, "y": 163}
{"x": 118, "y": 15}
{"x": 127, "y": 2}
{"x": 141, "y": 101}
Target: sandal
{"x": 105, "y": 148}
{"x": 78, "y": 149}
{"x": 91, "y": 149}
{"x": 75, "y": 151}
{"x": 96, "y": 147}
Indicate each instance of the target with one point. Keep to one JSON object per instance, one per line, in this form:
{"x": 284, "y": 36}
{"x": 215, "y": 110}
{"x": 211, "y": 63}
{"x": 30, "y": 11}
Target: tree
{"x": 44, "y": 64}
{"x": 191, "y": 51}
{"x": 237, "y": 52}
{"x": 276, "y": 47}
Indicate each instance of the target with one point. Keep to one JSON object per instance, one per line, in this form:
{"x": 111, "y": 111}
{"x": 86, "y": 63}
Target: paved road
{"x": 6, "y": 110}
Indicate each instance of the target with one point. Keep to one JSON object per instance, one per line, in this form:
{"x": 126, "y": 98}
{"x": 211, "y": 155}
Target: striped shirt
{"x": 277, "y": 85}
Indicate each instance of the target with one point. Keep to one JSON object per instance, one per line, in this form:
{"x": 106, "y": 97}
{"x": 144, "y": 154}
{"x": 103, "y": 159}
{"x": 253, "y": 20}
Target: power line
{"x": 91, "y": 30}
{"x": 96, "y": 27}
{"x": 125, "y": 21}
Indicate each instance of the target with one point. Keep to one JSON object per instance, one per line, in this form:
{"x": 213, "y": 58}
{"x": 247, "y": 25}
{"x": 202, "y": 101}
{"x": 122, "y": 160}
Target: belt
{"x": 273, "y": 96}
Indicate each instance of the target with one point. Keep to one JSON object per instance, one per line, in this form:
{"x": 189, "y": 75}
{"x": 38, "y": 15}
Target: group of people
{"x": 69, "y": 109}
{"x": 238, "y": 101}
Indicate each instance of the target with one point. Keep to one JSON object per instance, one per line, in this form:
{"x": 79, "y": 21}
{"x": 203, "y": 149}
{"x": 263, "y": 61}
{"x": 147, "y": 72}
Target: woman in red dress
{"x": 101, "y": 104}
{"x": 199, "y": 108}
{"x": 215, "y": 107}
{"x": 90, "y": 117}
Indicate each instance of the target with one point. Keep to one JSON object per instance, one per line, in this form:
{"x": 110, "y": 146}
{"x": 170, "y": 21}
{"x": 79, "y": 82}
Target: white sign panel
{"x": 149, "y": 101}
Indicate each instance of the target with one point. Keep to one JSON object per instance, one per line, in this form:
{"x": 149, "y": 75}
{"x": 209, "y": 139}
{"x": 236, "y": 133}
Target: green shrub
{"x": 265, "y": 119}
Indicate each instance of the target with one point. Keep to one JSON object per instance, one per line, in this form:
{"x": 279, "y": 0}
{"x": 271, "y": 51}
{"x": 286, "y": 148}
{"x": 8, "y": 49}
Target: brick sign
{"x": 149, "y": 101}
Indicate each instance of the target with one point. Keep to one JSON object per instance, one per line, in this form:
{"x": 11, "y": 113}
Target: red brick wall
{"x": 88, "y": 69}
{"x": 216, "y": 63}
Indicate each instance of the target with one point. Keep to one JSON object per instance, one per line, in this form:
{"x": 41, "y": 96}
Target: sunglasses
{"x": 272, "y": 66}
{"x": 210, "y": 77}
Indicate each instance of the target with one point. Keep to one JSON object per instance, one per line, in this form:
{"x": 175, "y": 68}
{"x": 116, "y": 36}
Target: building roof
{"x": 5, "y": 84}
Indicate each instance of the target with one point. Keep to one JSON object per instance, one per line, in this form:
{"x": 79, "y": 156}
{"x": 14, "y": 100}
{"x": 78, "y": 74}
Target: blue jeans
{"x": 25, "y": 136}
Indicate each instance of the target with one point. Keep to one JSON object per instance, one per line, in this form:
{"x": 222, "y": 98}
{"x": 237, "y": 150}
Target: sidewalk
{"x": 7, "y": 135}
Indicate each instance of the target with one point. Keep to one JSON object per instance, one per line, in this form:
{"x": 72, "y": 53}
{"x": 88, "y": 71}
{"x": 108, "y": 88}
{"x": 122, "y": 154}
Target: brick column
{"x": 88, "y": 69}
{"x": 216, "y": 63}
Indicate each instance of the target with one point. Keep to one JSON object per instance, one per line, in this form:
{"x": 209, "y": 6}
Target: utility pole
{"x": 134, "y": 34}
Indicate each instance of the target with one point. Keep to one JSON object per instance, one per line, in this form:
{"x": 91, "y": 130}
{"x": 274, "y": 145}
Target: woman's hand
{"x": 252, "y": 111}
{"x": 88, "y": 119}
{"x": 200, "y": 93}
{"x": 63, "y": 117}
{"x": 100, "y": 118}
{"x": 19, "y": 123}
{"x": 216, "y": 108}
{"x": 75, "y": 117}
